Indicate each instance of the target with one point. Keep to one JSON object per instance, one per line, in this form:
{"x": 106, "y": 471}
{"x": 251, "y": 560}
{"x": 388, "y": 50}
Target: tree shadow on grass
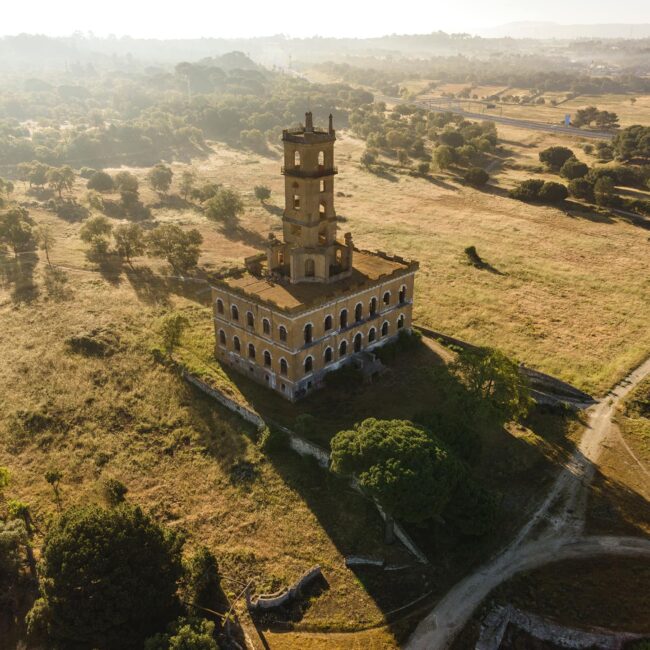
{"x": 438, "y": 182}
{"x": 234, "y": 231}
{"x": 382, "y": 173}
{"x": 275, "y": 210}
{"x": 17, "y": 274}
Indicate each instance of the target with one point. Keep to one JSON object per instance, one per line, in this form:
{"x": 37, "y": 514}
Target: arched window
{"x": 373, "y": 306}
{"x": 400, "y": 322}
{"x": 357, "y": 342}
{"x": 251, "y": 351}
{"x": 283, "y": 333}
{"x": 327, "y": 324}
{"x": 387, "y": 298}
{"x": 328, "y": 355}
{"x": 343, "y": 318}
{"x": 266, "y": 326}
{"x": 322, "y": 209}
{"x": 296, "y": 159}
{"x": 372, "y": 335}
{"x": 402, "y": 294}
{"x": 384, "y": 328}
{"x": 234, "y": 312}
{"x": 339, "y": 256}
{"x": 296, "y": 201}
{"x": 219, "y": 306}
{"x": 250, "y": 319}
{"x": 309, "y": 364}
{"x": 236, "y": 344}
{"x": 222, "y": 337}
{"x": 321, "y": 158}
{"x": 322, "y": 237}
{"x": 267, "y": 358}
{"x": 343, "y": 348}
{"x": 308, "y": 333}
{"x": 322, "y": 186}
{"x": 284, "y": 368}
{"x": 358, "y": 312}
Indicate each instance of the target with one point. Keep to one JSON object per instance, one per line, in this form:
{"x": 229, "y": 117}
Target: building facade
{"x": 311, "y": 302}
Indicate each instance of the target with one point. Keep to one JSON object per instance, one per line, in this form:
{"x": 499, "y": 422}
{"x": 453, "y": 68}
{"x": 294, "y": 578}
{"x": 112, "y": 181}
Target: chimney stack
{"x": 309, "y": 124}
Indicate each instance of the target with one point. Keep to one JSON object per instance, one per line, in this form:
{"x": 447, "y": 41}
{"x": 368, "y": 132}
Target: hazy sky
{"x": 236, "y": 18}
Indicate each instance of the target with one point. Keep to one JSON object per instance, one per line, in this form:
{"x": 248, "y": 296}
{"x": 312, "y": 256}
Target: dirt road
{"x": 545, "y": 537}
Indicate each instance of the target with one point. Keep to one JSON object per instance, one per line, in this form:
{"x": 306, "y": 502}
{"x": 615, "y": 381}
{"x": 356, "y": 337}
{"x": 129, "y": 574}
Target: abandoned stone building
{"x": 311, "y": 302}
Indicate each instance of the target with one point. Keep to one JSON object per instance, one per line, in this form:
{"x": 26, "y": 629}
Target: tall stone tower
{"x": 310, "y": 251}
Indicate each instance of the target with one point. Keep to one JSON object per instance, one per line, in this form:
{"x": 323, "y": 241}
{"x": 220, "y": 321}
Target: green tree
{"x": 16, "y": 230}
{"x": 160, "y": 178}
{"x": 188, "y": 180}
{"x": 423, "y": 168}
{"x": 181, "y": 248}
{"x": 444, "y": 156}
{"x": 185, "y": 634}
{"x": 368, "y": 158}
{"x": 555, "y": 157}
{"x": 61, "y": 178}
{"x": 604, "y": 191}
{"x": 552, "y": 192}
{"x": 573, "y": 168}
{"x": 225, "y": 205}
{"x": 403, "y": 466}
{"x": 101, "y": 182}
{"x": 36, "y": 173}
{"x": 527, "y": 190}
{"x": 581, "y": 188}
{"x": 96, "y": 231}
{"x": 126, "y": 182}
{"x": 201, "y": 581}
{"x": 130, "y": 241}
{"x": 114, "y": 492}
{"x": 262, "y": 193}
{"x": 490, "y": 376}
{"x": 108, "y": 578}
{"x": 171, "y": 330}
{"x": 452, "y": 138}
{"x": 45, "y": 238}
{"x": 53, "y": 477}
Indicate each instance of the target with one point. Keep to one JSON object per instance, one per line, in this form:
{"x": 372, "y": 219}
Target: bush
{"x": 101, "y": 182}
{"x": 555, "y": 157}
{"x": 527, "y": 190}
{"x": 476, "y": 177}
{"x": 87, "y": 172}
{"x": 573, "y": 168}
{"x": 225, "y": 205}
{"x": 114, "y": 492}
{"x": 368, "y": 158}
{"x": 262, "y": 193}
{"x": 552, "y": 192}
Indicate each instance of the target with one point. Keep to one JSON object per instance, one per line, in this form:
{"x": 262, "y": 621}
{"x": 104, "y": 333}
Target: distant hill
{"x": 543, "y": 30}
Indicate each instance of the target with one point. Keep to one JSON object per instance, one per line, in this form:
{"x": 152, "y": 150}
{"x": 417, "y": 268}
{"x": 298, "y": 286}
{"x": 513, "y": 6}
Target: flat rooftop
{"x": 369, "y": 269}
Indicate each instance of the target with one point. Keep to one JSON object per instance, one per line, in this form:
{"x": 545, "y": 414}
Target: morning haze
{"x": 324, "y": 326}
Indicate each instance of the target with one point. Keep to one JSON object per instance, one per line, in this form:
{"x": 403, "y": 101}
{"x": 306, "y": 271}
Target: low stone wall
{"x": 247, "y": 414}
{"x": 270, "y": 601}
{"x": 304, "y": 447}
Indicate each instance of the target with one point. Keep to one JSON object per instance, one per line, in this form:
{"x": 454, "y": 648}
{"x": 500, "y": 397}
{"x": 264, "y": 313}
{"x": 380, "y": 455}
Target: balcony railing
{"x": 314, "y": 173}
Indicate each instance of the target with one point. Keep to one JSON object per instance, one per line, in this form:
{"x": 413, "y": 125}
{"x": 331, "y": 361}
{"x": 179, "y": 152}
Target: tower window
{"x": 373, "y": 306}
{"x": 322, "y": 238}
{"x": 284, "y": 368}
{"x": 283, "y": 333}
{"x": 310, "y": 268}
{"x": 308, "y": 333}
{"x": 296, "y": 159}
{"x": 372, "y": 334}
{"x": 309, "y": 364}
{"x": 266, "y": 326}
{"x": 250, "y": 319}
{"x": 235, "y": 312}
{"x": 251, "y": 351}
{"x": 236, "y": 344}
{"x": 222, "y": 337}
{"x": 321, "y": 159}
{"x": 219, "y": 306}
{"x": 327, "y": 324}
{"x": 322, "y": 210}
{"x": 358, "y": 312}
{"x": 384, "y": 328}
{"x": 296, "y": 201}
{"x": 322, "y": 186}
{"x": 400, "y": 322}
{"x": 387, "y": 298}
{"x": 328, "y": 355}
{"x": 343, "y": 348}
{"x": 267, "y": 358}
{"x": 402, "y": 294}
{"x": 343, "y": 318}
{"x": 357, "y": 342}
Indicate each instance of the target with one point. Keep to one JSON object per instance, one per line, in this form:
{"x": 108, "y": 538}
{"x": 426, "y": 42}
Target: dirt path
{"x": 554, "y": 531}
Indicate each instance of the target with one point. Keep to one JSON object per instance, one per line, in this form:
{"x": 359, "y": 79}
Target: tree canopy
{"x": 181, "y": 248}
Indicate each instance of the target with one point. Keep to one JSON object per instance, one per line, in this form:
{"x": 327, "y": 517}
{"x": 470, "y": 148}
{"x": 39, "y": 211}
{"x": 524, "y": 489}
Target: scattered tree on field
{"x": 101, "y": 182}
{"x": 96, "y": 231}
{"x": 225, "y": 205}
{"x": 444, "y": 156}
{"x": 45, "y": 238}
{"x": 262, "y": 193}
{"x": 368, "y": 158}
{"x": 180, "y": 248}
{"x": 476, "y": 176}
{"x": 552, "y": 192}
{"x": 130, "y": 241}
{"x": 574, "y": 168}
{"x": 555, "y": 157}
{"x": 114, "y": 492}
{"x": 604, "y": 191}
{"x": 126, "y": 182}
{"x": 581, "y": 188}
{"x": 410, "y": 473}
{"x": 108, "y": 579}
{"x": 61, "y": 178}
{"x": 171, "y": 330}
{"x": 185, "y": 634}
{"x": 160, "y": 178}
{"x": 187, "y": 182}
{"x": 16, "y": 230}
{"x": 53, "y": 477}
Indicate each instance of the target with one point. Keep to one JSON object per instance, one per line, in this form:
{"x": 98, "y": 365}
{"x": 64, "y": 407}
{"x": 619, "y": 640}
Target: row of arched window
{"x": 328, "y": 355}
{"x": 309, "y": 328}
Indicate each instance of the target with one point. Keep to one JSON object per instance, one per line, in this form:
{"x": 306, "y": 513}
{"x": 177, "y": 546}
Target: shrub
{"x": 555, "y": 157}
{"x": 581, "y": 188}
{"x": 476, "y": 177}
{"x": 101, "y": 182}
{"x": 368, "y": 158}
{"x": 225, "y": 205}
{"x": 452, "y": 139}
{"x": 527, "y": 190}
{"x": 552, "y": 192}
{"x": 114, "y": 492}
{"x": 262, "y": 193}
{"x": 573, "y": 168}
